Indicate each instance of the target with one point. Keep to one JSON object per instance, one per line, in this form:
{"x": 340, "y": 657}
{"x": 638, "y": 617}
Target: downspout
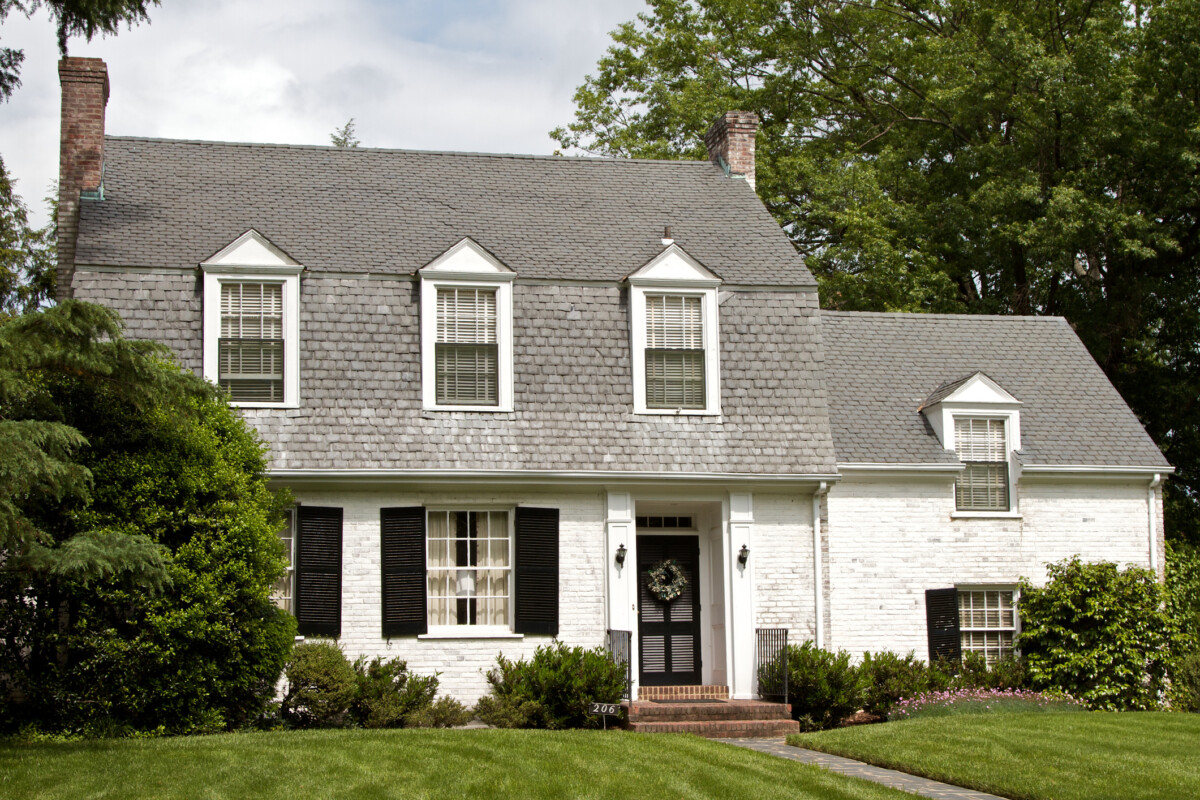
{"x": 1153, "y": 522}
{"x": 818, "y": 583}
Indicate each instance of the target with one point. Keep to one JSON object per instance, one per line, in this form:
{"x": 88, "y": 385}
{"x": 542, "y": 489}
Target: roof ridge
{"x": 399, "y": 150}
{"x": 923, "y": 315}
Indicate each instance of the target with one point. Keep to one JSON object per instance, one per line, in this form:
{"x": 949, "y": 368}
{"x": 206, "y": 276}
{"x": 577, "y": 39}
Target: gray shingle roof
{"x": 880, "y": 367}
{"x": 174, "y": 203}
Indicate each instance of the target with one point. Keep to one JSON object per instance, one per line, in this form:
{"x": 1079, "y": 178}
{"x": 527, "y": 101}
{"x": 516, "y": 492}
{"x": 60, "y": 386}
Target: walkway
{"x": 846, "y": 766}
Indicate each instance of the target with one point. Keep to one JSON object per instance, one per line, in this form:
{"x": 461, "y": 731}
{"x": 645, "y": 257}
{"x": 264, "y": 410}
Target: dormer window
{"x": 982, "y": 446}
{"x": 252, "y": 323}
{"x": 673, "y": 313}
{"x": 466, "y": 331}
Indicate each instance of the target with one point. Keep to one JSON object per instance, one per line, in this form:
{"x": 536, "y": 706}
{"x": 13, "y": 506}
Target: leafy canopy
{"x": 989, "y": 156}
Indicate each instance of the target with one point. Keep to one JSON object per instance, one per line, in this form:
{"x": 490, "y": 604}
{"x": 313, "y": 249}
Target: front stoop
{"x": 715, "y": 717}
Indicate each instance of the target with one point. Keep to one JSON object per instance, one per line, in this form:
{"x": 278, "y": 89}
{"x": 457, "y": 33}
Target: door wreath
{"x": 667, "y": 580}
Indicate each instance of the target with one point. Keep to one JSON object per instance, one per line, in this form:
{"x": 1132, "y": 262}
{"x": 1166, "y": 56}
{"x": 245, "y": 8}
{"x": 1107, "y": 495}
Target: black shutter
{"x": 403, "y": 550}
{"x": 536, "y": 570}
{"x": 941, "y": 615}
{"x": 319, "y": 571}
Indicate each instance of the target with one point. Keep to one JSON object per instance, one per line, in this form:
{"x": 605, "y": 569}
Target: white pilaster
{"x": 739, "y": 589}
{"x": 621, "y": 579}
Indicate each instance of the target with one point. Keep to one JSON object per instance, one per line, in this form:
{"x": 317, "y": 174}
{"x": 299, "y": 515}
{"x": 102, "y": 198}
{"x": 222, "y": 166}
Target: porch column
{"x": 621, "y": 579}
{"x": 739, "y": 591}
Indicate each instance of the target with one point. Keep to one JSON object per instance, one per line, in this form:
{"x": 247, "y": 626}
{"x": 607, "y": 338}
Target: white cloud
{"x": 480, "y": 75}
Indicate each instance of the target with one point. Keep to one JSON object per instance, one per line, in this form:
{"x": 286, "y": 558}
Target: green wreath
{"x": 667, "y": 580}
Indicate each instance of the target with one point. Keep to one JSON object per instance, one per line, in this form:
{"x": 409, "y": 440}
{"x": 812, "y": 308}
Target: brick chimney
{"x": 81, "y": 153}
{"x": 730, "y": 143}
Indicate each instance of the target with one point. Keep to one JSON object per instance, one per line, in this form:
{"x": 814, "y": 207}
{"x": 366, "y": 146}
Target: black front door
{"x": 669, "y": 632}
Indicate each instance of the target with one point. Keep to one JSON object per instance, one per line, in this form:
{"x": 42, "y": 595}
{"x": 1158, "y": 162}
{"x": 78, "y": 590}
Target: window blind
{"x": 250, "y": 348}
{"x": 982, "y": 446}
{"x": 674, "y": 352}
{"x": 466, "y": 354}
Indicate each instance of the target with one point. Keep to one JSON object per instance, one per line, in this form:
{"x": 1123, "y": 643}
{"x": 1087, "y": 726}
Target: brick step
{"x": 697, "y": 712}
{"x": 725, "y": 729}
{"x": 683, "y": 692}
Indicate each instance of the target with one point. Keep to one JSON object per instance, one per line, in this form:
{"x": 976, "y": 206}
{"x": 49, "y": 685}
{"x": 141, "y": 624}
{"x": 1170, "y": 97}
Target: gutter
{"x": 524, "y": 476}
{"x": 1152, "y": 519}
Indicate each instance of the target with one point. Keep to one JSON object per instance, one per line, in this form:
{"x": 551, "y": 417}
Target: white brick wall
{"x": 783, "y": 564}
{"x": 463, "y": 663}
{"x": 892, "y": 540}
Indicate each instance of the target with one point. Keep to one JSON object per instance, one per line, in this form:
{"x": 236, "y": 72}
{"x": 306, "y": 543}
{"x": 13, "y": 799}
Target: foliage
{"x": 321, "y": 683}
{"x": 1099, "y": 633}
{"x": 1183, "y": 589}
{"x": 1185, "y": 683}
{"x": 1038, "y": 756}
{"x": 444, "y": 712}
{"x": 981, "y": 701}
{"x": 387, "y": 693}
{"x": 139, "y": 533}
{"x": 986, "y": 156}
{"x": 824, "y": 688}
{"x": 888, "y": 678}
{"x": 26, "y": 254}
{"x": 344, "y": 136}
{"x": 554, "y": 689}
{"x": 85, "y": 18}
{"x": 974, "y": 673}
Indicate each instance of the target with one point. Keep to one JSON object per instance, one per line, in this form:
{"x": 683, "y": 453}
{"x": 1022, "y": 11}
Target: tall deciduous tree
{"x": 137, "y": 533}
{"x": 992, "y": 156}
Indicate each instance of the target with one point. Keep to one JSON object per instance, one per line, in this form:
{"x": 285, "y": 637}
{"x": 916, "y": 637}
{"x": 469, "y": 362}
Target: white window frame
{"x": 706, "y": 290}
{"x": 1009, "y": 589}
{"x": 474, "y": 631}
{"x": 251, "y": 258}
{"x": 288, "y": 602}
{"x": 467, "y": 266}
{"x": 1010, "y": 420}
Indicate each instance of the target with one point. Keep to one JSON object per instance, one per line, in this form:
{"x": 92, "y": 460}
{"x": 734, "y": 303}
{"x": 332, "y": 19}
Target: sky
{"x": 469, "y": 75}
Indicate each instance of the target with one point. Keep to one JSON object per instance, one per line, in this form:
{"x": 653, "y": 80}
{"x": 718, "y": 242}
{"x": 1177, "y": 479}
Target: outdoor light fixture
{"x": 744, "y": 555}
{"x": 621, "y": 551}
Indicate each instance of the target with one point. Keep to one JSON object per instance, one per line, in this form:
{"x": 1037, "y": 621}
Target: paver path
{"x": 847, "y": 766}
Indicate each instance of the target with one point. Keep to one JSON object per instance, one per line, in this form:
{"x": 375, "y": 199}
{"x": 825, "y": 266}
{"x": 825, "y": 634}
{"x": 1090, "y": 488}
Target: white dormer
{"x": 252, "y": 322}
{"x": 981, "y": 423}
{"x": 674, "y": 333}
{"x": 466, "y": 331}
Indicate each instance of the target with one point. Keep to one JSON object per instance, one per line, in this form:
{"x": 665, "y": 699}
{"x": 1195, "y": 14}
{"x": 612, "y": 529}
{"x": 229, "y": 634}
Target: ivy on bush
{"x": 1099, "y": 633}
{"x": 554, "y": 689}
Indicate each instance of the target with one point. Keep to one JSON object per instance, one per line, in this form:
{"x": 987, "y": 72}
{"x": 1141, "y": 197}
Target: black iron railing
{"x": 620, "y": 645}
{"x": 772, "y": 664}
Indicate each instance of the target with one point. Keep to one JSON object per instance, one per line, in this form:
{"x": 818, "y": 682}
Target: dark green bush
{"x": 387, "y": 692}
{"x": 445, "y": 712}
{"x": 1183, "y": 591}
{"x": 974, "y": 673}
{"x": 823, "y": 687}
{"x": 1185, "y": 683}
{"x": 554, "y": 689}
{"x": 321, "y": 686}
{"x": 1099, "y": 633}
{"x": 888, "y": 678}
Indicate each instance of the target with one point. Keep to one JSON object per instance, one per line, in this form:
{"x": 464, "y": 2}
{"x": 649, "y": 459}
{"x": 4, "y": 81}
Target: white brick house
{"x": 503, "y": 388}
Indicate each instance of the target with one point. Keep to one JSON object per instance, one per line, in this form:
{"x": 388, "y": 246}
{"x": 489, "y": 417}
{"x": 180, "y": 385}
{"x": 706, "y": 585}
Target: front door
{"x": 669, "y": 632}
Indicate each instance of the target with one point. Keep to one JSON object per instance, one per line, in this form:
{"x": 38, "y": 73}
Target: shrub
{"x": 554, "y": 689}
{"x": 321, "y": 686}
{"x": 974, "y": 673}
{"x": 445, "y": 712}
{"x": 1185, "y": 683}
{"x": 981, "y": 701}
{"x": 888, "y": 678}
{"x": 1183, "y": 590}
{"x": 1099, "y": 633}
{"x": 386, "y": 692}
{"x": 822, "y": 686}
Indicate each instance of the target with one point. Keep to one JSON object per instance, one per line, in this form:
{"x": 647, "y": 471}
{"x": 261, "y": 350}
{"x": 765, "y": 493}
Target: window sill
{"x": 474, "y": 409}
{"x": 467, "y": 632}
{"x": 242, "y": 404}
{"x": 655, "y": 415}
{"x": 985, "y": 515}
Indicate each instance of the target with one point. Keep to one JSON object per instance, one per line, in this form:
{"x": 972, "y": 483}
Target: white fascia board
{"x": 979, "y": 388}
{"x": 468, "y": 257}
{"x": 848, "y": 468}
{"x": 250, "y": 250}
{"x": 674, "y": 268}
{"x": 1092, "y": 472}
{"x": 542, "y": 477}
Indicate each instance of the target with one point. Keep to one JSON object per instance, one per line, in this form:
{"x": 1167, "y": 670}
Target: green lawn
{"x": 1035, "y": 756}
{"x": 415, "y": 764}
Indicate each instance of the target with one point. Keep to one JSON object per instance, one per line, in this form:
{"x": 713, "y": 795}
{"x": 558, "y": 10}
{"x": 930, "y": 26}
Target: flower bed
{"x": 981, "y": 701}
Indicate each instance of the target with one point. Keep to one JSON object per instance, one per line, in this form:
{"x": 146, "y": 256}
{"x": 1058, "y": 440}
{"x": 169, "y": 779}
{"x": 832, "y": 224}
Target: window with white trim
{"x": 987, "y": 622}
{"x": 675, "y": 359}
{"x": 982, "y": 445}
{"x": 250, "y": 357}
{"x": 283, "y": 592}
{"x": 467, "y": 364}
{"x": 469, "y": 568}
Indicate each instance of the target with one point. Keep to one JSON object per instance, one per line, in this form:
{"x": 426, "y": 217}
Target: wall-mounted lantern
{"x": 621, "y": 551}
{"x": 744, "y": 555}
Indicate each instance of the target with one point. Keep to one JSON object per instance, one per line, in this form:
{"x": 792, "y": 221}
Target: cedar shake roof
{"x": 881, "y": 367}
{"x": 172, "y": 204}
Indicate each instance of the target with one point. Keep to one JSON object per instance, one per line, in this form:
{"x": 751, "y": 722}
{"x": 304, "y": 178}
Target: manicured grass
{"x": 1035, "y": 756}
{"x": 415, "y": 764}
